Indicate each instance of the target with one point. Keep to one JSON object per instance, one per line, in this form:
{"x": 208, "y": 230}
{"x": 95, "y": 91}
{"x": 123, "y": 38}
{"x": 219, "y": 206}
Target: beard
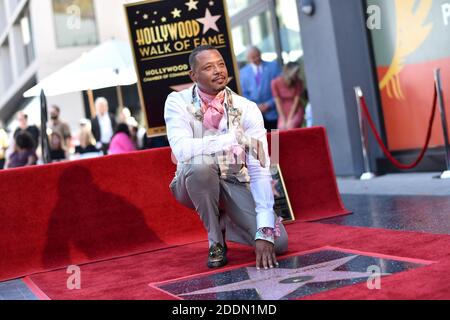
{"x": 219, "y": 86}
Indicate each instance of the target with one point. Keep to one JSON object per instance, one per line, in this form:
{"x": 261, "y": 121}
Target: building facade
{"x": 390, "y": 49}
{"x": 38, "y": 37}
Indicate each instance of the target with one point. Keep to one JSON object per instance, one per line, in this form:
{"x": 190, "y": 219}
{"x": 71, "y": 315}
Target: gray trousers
{"x": 223, "y": 205}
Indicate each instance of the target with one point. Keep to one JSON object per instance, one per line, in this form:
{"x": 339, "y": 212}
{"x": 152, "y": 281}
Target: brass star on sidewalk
{"x": 209, "y": 22}
{"x": 192, "y": 5}
{"x": 276, "y": 284}
{"x": 176, "y": 13}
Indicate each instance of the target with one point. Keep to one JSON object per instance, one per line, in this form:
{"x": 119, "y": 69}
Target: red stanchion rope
{"x": 386, "y": 152}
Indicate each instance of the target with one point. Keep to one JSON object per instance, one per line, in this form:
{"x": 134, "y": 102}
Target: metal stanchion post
{"x": 437, "y": 78}
{"x": 368, "y": 174}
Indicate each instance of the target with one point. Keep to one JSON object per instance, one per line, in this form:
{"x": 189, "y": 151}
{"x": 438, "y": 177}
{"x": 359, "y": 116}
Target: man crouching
{"x": 219, "y": 140}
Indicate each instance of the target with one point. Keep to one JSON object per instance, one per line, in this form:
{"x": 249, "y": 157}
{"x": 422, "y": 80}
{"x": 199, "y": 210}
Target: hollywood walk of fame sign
{"x": 163, "y": 33}
{"x": 297, "y": 276}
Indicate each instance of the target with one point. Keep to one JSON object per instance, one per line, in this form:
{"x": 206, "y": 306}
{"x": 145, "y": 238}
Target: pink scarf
{"x": 213, "y": 112}
{"x": 212, "y": 108}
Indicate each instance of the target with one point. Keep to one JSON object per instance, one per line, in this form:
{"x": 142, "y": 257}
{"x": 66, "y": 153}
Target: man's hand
{"x": 265, "y": 255}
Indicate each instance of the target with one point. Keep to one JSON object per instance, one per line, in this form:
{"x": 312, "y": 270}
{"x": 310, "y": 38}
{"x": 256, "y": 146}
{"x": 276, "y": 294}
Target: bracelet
{"x": 267, "y": 234}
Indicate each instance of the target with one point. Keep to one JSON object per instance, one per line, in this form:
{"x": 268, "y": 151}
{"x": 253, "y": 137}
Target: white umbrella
{"x": 108, "y": 65}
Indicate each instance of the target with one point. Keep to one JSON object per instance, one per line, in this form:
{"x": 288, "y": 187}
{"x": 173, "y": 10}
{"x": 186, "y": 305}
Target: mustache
{"x": 219, "y": 77}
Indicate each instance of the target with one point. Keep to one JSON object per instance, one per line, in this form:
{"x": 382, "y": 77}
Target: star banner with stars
{"x": 163, "y": 34}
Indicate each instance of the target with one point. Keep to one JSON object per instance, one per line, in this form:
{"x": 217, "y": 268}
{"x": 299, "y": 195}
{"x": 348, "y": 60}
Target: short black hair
{"x": 196, "y": 52}
{"x": 24, "y": 140}
{"x": 122, "y": 128}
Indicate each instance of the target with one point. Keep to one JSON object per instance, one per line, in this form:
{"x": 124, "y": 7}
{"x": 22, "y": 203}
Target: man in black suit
{"x": 103, "y": 125}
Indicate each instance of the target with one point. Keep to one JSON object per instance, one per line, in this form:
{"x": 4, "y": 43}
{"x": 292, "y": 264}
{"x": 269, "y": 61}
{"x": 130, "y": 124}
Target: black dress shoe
{"x": 224, "y": 241}
{"x": 217, "y": 256}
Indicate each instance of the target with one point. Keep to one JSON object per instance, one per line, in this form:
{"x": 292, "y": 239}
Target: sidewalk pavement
{"x": 397, "y": 184}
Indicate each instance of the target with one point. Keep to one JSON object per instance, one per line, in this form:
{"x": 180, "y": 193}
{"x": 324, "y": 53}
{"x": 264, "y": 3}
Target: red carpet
{"x": 57, "y": 215}
{"x": 94, "y": 210}
{"x": 128, "y": 278}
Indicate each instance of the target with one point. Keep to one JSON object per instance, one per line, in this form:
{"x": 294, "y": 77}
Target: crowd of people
{"x": 100, "y": 136}
{"x": 280, "y": 94}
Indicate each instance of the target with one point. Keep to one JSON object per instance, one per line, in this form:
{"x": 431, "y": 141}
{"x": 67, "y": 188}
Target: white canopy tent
{"x": 107, "y": 65}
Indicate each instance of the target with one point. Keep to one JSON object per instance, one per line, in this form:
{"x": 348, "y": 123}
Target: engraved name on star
{"x": 209, "y": 22}
{"x": 192, "y": 5}
{"x": 176, "y": 13}
{"x": 276, "y": 284}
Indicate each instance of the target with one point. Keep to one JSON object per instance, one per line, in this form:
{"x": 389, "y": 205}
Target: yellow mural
{"x": 412, "y": 31}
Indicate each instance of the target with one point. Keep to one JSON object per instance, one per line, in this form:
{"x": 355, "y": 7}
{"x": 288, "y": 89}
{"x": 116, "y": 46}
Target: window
{"x": 271, "y": 25}
{"x": 75, "y": 23}
{"x": 13, "y": 5}
{"x": 262, "y": 35}
{"x": 241, "y": 38}
{"x": 5, "y": 67}
{"x": 23, "y": 42}
{"x": 253, "y": 25}
{"x": 2, "y": 16}
{"x": 289, "y": 30}
{"x": 26, "y": 37}
{"x": 235, "y": 6}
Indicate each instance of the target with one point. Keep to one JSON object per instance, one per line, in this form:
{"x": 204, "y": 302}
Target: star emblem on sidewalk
{"x": 192, "y": 5}
{"x": 276, "y": 284}
{"x": 209, "y": 22}
{"x": 176, "y": 13}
